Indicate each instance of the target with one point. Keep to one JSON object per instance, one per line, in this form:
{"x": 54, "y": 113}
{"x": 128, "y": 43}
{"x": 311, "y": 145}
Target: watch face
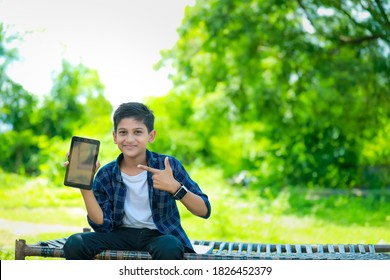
{"x": 181, "y": 193}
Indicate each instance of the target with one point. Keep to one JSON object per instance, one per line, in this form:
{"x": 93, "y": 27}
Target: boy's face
{"x": 132, "y": 137}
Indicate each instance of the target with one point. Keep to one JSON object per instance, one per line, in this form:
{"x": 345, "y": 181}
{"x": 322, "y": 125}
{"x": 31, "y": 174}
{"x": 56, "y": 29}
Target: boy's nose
{"x": 130, "y": 138}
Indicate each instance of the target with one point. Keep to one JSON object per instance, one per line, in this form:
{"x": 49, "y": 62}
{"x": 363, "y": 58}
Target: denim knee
{"x": 74, "y": 248}
{"x": 166, "y": 247}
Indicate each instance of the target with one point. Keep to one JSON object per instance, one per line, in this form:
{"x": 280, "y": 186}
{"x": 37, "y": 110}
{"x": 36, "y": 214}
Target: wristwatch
{"x": 181, "y": 192}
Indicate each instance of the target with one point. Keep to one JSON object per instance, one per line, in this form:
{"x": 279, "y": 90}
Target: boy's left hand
{"x": 163, "y": 179}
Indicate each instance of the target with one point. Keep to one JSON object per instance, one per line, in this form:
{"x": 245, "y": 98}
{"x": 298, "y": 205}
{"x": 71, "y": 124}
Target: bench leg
{"x": 19, "y": 249}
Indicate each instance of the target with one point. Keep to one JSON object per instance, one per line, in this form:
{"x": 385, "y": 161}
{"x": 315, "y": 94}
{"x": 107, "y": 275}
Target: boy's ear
{"x": 114, "y": 136}
{"x": 152, "y": 136}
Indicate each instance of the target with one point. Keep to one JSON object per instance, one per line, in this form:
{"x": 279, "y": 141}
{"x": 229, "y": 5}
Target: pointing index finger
{"x": 147, "y": 168}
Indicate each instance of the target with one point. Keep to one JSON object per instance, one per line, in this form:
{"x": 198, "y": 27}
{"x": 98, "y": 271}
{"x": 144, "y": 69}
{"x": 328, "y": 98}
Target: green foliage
{"x": 289, "y": 216}
{"x": 277, "y": 95}
{"x": 20, "y": 152}
{"x": 34, "y": 133}
{"x": 294, "y": 92}
{"x": 19, "y": 147}
{"x": 7, "y": 52}
{"x": 17, "y": 106}
{"x": 66, "y": 108}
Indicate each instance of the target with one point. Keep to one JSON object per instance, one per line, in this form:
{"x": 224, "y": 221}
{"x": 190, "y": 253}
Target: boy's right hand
{"x": 163, "y": 179}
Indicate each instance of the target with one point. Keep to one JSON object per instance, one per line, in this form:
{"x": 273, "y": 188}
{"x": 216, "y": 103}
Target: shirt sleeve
{"x": 102, "y": 195}
{"x": 182, "y": 176}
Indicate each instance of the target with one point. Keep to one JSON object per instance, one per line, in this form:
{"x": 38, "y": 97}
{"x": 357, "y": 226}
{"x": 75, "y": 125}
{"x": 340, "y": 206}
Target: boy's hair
{"x": 138, "y": 111}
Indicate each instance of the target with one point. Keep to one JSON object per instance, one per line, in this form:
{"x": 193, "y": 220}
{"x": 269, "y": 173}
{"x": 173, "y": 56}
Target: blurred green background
{"x": 280, "y": 110}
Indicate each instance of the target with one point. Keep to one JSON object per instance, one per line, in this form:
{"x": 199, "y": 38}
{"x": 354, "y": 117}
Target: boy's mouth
{"x": 130, "y": 146}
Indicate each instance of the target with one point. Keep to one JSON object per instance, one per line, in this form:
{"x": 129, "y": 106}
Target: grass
{"x": 288, "y": 215}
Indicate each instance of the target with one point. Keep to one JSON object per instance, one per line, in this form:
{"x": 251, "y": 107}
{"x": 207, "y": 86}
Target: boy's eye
{"x": 122, "y": 132}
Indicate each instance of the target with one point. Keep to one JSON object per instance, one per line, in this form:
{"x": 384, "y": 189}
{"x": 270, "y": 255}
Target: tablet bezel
{"x": 81, "y": 185}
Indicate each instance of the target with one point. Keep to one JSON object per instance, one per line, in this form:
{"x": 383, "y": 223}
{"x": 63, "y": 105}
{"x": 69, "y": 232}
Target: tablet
{"x": 82, "y": 162}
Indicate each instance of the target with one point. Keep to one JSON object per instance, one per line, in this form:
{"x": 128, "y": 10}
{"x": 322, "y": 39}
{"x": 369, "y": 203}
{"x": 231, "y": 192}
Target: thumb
{"x": 167, "y": 164}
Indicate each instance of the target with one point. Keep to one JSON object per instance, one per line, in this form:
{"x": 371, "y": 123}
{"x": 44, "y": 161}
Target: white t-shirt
{"x": 137, "y": 205}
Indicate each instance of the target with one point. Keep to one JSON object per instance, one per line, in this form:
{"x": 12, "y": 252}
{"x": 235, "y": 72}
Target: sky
{"x": 121, "y": 39}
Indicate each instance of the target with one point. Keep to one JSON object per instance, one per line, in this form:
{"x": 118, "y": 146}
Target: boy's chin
{"x": 132, "y": 153}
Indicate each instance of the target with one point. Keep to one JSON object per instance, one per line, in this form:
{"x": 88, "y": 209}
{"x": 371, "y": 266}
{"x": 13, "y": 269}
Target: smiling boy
{"x": 132, "y": 204}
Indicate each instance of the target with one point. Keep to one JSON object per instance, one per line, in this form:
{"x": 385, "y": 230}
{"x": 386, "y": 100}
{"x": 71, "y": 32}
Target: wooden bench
{"x": 215, "y": 250}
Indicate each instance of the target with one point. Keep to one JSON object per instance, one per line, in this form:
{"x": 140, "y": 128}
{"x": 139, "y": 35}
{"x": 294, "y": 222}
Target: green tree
{"x": 16, "y": 115}
{"x": 64, "y": 109}
{"x": 33, "y": 133}
{"x": 292, "y": 91}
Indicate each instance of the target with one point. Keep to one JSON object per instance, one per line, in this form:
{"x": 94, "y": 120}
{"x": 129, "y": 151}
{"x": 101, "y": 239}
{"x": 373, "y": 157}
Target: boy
{"x": 132, "y": 204}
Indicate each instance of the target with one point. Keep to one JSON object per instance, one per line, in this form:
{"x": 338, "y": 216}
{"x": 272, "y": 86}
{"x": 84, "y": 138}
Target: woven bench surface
{"x": 232, "y": 251}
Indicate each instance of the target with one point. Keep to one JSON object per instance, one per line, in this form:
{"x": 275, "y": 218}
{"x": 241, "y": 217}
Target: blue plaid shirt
{"x": 110, "y": 193}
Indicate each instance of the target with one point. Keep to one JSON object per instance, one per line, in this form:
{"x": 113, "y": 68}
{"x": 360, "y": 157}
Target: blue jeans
{"x": 84, "y": 246}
